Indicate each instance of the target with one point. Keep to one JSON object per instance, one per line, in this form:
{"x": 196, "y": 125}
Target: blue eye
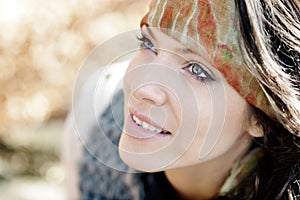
{"x": 146, "y": 44}
{"x": 196, "y": 70}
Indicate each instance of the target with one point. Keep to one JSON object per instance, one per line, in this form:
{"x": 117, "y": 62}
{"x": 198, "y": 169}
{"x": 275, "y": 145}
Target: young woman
{"x": 211, "y": 106}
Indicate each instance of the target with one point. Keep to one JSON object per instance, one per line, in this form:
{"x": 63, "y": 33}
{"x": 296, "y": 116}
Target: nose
{"x": 151, "y": 93}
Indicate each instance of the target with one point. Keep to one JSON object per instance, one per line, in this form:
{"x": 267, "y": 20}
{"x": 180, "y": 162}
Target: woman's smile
{"x": 147, "y": 126}
{"x": 142, "y": 127}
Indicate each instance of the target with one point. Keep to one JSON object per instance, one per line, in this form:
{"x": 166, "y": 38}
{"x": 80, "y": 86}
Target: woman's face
{"x": 179, "y": 110}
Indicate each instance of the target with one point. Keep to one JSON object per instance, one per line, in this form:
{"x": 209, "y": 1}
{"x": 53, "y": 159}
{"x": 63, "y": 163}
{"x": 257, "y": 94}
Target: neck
{"x": 204, "y": 180}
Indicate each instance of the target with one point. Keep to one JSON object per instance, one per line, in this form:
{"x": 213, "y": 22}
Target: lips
{"x": 141, "y": 127}
{"x": 148, "y": 126}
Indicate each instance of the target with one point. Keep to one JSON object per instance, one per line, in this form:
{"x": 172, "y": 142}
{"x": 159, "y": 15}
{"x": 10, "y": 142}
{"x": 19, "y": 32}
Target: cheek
{"x": 220, "y": 124}
{"x": 231, "y": 122}
{"x": 237, "y": 113}
{"x": 197, "y": 124}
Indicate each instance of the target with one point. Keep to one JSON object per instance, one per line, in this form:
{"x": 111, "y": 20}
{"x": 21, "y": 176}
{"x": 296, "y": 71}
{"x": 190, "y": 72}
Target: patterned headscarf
{"x": 213, "y": 24}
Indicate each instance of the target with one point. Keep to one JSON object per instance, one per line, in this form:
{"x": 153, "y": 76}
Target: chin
{"x": 137, "y": 162}
{"x": 135, "y": 155}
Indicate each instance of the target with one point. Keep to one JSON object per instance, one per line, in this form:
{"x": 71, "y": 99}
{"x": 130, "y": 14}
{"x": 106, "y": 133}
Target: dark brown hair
{"x": 280, "y": 166}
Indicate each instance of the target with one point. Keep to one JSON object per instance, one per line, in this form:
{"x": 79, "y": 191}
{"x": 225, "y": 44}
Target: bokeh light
{"x": 42, "y": 45}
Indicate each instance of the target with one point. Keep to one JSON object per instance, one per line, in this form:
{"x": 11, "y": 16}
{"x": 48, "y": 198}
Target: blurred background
{"x": 42, "y": 45}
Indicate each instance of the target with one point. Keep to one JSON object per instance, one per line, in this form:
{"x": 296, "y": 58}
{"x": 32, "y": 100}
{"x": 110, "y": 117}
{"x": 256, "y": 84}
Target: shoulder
{"x": 89, "y": 100}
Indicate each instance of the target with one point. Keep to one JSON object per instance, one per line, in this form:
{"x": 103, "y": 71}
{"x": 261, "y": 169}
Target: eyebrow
{"x": 185, "y": 50}
{"x": 181, "y": 50}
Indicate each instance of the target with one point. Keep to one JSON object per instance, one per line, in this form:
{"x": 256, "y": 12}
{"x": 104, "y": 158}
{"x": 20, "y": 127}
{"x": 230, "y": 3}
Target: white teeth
{"x": 137, "y": 121}
{"x": 145, "y": 125}
{"x": 151, "y": 128}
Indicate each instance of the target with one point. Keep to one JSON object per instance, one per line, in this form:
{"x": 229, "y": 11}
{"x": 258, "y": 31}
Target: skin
{"x": 210, "y": 124}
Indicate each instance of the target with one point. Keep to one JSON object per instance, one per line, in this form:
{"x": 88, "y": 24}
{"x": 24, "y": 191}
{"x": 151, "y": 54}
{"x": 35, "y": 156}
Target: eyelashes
{"x": 146, "y": 44}
{"x": 193, "y": 68}
{"x": 196, "y": 70}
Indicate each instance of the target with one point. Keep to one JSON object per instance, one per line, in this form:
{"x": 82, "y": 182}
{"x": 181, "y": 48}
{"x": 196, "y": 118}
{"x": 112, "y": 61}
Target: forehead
{"x": 168, "y": 43}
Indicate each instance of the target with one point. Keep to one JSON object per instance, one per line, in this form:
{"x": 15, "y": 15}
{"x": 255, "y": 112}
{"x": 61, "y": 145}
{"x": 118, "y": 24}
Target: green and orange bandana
{"x": 212, "y": 24}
